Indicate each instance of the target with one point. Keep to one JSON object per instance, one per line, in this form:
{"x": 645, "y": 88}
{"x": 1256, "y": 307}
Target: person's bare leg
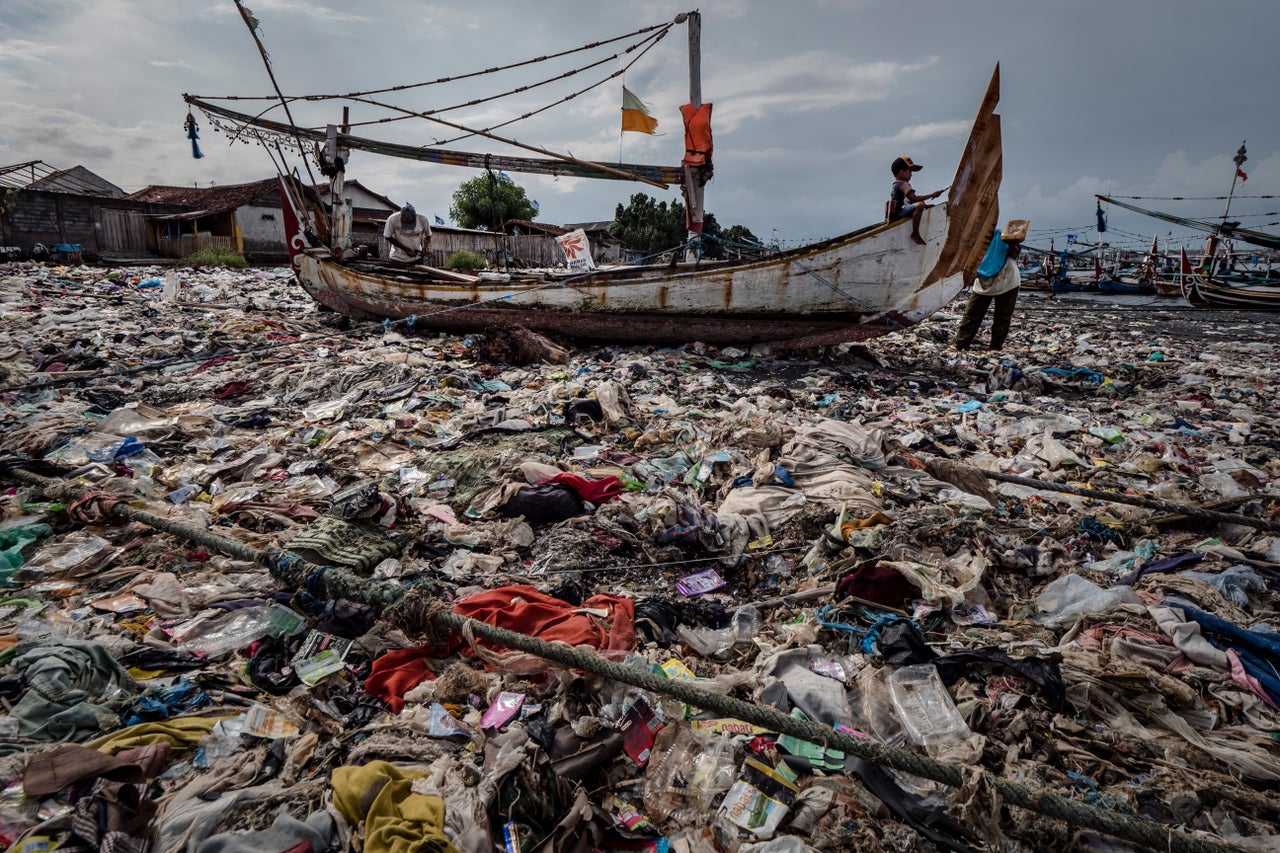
{"x": 916, "y": 216}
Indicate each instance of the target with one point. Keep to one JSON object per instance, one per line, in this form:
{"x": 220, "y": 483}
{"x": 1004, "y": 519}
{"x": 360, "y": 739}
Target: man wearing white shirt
{"x": 409, "y": 234}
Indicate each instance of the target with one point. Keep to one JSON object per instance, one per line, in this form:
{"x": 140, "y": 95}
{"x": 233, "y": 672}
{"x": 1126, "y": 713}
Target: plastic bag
{"x": 1071, "y": 595}
{"x": 687, "y": 771}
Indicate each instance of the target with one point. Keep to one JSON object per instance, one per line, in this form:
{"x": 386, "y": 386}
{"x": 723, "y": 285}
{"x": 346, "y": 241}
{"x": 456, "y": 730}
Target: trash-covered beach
{"x": 1048, "y": 575}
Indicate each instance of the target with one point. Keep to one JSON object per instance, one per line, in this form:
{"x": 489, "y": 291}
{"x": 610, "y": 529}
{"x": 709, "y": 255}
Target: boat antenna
{"x": 252, "y": 23}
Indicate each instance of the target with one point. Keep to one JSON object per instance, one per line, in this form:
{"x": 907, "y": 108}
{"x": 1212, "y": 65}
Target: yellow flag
{"x": 635, "y": 115}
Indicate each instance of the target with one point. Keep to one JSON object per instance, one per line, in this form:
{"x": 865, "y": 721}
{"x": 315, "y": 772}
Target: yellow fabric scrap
{"x": 396, "y": 819}
{"x": 178, "y": 732}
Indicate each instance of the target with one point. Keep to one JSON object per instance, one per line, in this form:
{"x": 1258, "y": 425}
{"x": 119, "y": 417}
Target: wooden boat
{"x": 1069, "y": 285}
{"x": 1106, "y": 284}
{"x": 1203, "y": 291}
{"x": 1202, "y": 288}
{"x": 856, "y": 286}
{"x": 853, "y": 287}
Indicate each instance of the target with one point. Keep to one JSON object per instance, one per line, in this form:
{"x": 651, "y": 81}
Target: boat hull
{"x": 1213, "y": 294}
{"x": 853, "y": 288}
{"x": 1108, "y": 285}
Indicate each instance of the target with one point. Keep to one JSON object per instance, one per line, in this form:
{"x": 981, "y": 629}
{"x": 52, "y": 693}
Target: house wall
{"x": 261, "y": 229}
{"x": 102, "y": 226}
{"x": 45, "y": 217}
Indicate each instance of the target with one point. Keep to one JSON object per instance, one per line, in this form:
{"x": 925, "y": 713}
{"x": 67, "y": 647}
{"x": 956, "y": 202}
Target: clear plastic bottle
{"x": 742, "y": 628}
{"x": 925, "y": 708}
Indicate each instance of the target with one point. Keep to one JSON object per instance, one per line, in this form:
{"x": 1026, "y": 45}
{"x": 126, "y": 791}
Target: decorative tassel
{"x": 193, "y": 134}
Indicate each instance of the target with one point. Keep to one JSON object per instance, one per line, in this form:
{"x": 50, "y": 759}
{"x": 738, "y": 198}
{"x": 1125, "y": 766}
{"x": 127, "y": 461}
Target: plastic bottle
{"x": 925, "y": 708}
{"x": 742, "y": 628}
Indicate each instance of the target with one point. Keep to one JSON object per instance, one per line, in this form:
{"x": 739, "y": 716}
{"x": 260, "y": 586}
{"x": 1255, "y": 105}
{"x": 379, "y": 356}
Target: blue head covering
{"x": 993, "y": 260}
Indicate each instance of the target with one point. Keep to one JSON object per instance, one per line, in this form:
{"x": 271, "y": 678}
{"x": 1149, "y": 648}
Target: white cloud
{"x": 914, "y": 136}
{"x": 22, "y": 50}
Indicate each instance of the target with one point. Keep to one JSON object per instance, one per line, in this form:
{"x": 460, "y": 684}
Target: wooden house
{"x": 244, "y": 218}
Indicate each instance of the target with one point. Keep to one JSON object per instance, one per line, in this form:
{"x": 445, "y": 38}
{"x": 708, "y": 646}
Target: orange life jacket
{"x": 697, "y": 134}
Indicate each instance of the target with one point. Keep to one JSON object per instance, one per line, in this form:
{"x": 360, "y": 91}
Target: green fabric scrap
{"x": 331, "y": 540}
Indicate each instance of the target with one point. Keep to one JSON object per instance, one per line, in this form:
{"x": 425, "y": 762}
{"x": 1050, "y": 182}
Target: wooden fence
{"x": 500, "y": 250}
{"x": 189, "y": 244}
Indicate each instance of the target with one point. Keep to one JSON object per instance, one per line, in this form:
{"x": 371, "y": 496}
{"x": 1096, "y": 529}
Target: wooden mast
{"x": 695, "y": 201}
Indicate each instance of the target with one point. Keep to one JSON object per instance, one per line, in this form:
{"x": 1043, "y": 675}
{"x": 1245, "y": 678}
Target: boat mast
{"x": 695, "y": 201}
{"x": 1225, "y": 229}
{"x": 1235, "y": 176}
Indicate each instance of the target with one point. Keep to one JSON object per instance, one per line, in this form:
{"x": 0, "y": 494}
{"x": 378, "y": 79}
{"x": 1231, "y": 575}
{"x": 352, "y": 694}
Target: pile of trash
{"x": 258, "y": 561}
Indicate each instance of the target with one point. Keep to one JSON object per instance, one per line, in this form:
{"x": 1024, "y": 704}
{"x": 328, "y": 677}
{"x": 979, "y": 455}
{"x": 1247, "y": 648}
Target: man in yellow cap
{"x": 996, "y": 284}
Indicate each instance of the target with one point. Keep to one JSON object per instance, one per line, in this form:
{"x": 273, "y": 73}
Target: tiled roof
{"x": 209, "y": 200}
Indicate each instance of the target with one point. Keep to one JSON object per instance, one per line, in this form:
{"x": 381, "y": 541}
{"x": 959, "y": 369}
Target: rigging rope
{"x": 406, "y": 86}
{"x": 429, "y": 115}
{"x": 654, "y": 35}
{"x": 1256, "y": 238}
{"x": 336, "y": 582}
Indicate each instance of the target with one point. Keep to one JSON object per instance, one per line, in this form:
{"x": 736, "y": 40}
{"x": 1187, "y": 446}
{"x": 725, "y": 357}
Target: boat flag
{"x": 1239, "y": 161}
{"x": 635, "y": 115}
{"x": 439, "y": 221}
{"x": 534, "y": 202}
{"x": 1071, "y": 238}
{"x": 1241, "y": 175}
{"x": 1102, "y": 219}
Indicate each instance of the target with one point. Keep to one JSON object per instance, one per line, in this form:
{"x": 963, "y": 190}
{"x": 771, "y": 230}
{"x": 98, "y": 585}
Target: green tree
{"x": 649, "y": 226}
{"x": 739, "y": 234}
{"x": 488, "y": 200}
{"x": 736, "y": 241}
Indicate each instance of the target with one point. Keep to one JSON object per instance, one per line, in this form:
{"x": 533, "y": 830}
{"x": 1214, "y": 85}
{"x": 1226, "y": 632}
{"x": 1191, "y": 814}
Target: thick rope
{"x": 295, "y": 571}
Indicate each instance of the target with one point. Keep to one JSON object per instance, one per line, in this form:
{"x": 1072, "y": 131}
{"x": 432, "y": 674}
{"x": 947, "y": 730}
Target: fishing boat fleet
{"x": 1225, "y": 278}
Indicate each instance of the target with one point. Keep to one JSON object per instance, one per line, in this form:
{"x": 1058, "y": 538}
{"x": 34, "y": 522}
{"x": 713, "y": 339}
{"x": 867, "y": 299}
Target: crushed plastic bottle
{"x": 742, "y": 628}
{"x": 925, "y": 708}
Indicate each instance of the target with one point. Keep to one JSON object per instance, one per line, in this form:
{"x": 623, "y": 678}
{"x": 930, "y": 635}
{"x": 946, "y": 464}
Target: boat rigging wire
{"x": 429, "y": 115}
{"x": 657, "y": 176}
{"x": 646, "y": 43}
{"x": 1226, "y": 229}
{"x": 664, "y": 27}
{"x": 252, "y": 23}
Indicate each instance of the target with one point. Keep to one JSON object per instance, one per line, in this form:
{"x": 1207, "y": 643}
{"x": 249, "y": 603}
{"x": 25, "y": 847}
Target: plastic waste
{"x": 687, "y": 770}
{"x": 1222, "y": 484}
{"x": 1071, "y": 595}
{"x": 709, "y": 642}
{"x": 925, "y": 708}
{"x": 77, "y": 554}
{"x": 214, "y": 637}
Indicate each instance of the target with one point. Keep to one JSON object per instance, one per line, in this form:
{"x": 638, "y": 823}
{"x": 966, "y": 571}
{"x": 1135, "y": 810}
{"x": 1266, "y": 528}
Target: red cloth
{"x": 524, "y": 609}
{"x": 596, "y": 491}
{"x": 396, "y": 673}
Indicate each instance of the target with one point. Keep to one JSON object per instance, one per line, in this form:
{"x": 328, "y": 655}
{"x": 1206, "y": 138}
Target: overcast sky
{"x": 812, "y": 98}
